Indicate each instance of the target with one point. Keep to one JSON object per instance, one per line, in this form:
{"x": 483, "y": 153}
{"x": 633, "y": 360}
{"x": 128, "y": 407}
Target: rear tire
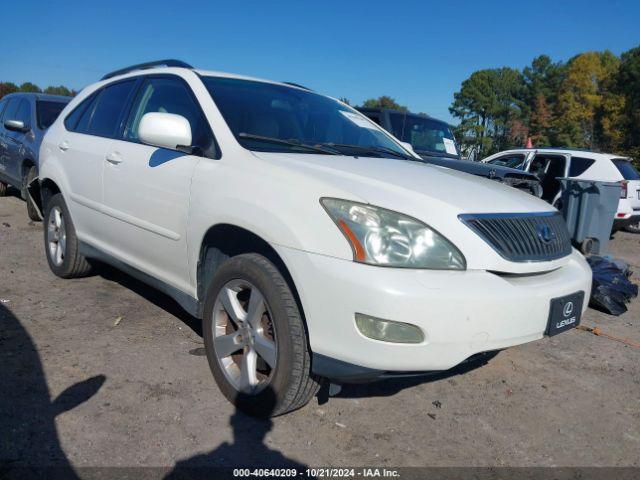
{"x": 32, "y": 210}
{"x": 61, "y": 242}
{"x": 282, "y": 380}
{"x": 3, "y": 189}
{"x": 633, "y": 227}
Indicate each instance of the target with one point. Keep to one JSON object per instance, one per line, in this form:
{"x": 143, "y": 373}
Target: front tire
{"x": 61, "y": 242}
{"x": 255, "y": 339}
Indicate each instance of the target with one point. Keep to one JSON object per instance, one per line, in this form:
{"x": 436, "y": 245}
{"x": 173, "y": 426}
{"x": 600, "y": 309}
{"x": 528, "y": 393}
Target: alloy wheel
{"x": 244, "y": 337}
{"x": 56, "y": 236}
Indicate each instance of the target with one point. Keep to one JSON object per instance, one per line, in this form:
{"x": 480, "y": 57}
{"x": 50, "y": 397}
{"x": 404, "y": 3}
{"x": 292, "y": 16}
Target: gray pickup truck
{"x": 433, "y": 140}
{"x": 24, "y": 119}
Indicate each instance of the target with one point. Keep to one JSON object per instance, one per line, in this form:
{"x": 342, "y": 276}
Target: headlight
{"x": 382, "y": 237}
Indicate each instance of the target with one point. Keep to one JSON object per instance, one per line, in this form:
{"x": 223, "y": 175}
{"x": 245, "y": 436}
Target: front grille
{"x": 523, "y": 237}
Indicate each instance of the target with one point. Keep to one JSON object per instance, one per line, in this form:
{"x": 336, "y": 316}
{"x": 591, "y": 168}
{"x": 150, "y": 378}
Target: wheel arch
{"x": 225, "y": 240}
{"x": 26, "y": 165}
{"x": 48, "y": 188}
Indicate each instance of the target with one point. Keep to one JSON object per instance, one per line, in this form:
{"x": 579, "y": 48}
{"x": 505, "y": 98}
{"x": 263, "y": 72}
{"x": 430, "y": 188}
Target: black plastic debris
{"x": 612, "y": 288}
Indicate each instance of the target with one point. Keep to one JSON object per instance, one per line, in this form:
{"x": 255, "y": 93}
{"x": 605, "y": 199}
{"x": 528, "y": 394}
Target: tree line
{"x": 591, "y": 101}
{"x": 9, "y": 87}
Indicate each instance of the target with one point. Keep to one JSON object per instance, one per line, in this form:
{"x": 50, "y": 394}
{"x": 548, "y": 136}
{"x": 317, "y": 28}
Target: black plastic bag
{"x": 612, "y": 288}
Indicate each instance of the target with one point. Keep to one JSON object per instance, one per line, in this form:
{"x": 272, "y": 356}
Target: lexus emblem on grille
{"x": 567, "y": 309}
{"x": 545, "y": 234}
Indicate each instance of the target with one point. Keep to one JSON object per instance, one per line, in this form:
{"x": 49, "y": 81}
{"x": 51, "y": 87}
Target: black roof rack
{"x": 144, "y": 66}
{"x": 297, "y": 85}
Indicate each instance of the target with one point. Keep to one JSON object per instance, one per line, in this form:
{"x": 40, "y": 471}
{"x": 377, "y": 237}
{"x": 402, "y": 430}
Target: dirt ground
{"x": 105, "y": 371}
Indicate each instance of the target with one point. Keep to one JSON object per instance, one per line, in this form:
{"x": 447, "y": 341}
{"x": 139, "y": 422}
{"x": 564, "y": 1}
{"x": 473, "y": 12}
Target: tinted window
{"x": 71, "y": 120}
{"x": 3, "y": 103}
{"x": 626, "y": 169}
{"x": 291, "y": 115}
{"x": 579, "y": 165}
{"x": 424, "y": 134}
{"x": 23, "y": 114}
{"x": 373, "y": 116}
{"x": 47, "y": 112}
{"x": 86, "y": 115}
{"x": 110, "y": 103}
{"x": 170, "y": 95}
{"x": 511, "y": 161}
{"x": 10, "y": 112}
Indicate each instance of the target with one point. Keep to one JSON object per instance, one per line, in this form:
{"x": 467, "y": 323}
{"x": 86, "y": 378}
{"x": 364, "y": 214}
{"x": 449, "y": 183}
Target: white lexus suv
{"x": 310, "y": 242}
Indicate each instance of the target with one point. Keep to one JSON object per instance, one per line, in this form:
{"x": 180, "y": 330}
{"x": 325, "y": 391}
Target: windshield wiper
{"x": 291, "y": 143}
{"x": 373, "y": 148}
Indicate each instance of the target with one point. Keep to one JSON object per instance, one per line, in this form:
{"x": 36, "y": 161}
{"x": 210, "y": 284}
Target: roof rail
{"x": 297, "y": 85}
{"x": 147, "y": 65}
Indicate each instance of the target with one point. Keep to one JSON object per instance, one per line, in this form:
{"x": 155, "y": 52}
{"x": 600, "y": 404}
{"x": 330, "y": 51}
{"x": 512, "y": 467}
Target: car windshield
{"x": 277, "y": 118}
{"x": 424, "y": 134}
{"x": 47, "y": 112}
{"x": 626, "y": 169}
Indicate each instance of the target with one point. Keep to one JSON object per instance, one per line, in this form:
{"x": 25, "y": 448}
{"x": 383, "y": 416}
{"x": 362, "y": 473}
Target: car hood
{"x": 480, "y": 169}
{"x": 432, "y": 194}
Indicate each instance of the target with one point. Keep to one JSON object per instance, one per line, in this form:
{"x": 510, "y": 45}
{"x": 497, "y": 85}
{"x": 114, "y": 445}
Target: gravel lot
{"x": 105, "y": 371}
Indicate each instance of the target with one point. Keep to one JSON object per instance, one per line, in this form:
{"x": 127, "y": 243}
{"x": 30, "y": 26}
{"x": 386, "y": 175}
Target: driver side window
{"x": 169, "y": 95}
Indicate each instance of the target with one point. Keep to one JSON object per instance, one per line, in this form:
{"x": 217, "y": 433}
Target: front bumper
{"x": 460, "y": 313}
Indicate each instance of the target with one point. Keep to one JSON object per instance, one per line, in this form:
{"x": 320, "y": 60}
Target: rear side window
{"x": 579, "y": 165}
{"x": 107, "y": 113}
{"x": 170, "y": 95}
{"x": 627, "y": 170}
{"x": 47, "y": 112}
{"x": 81, "y": 115}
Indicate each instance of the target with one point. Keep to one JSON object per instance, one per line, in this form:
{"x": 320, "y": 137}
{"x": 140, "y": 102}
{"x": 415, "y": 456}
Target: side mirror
{"x": 408, "y": 146}
{"x": 166, "y": 130}
{"x": 16, "y": 126}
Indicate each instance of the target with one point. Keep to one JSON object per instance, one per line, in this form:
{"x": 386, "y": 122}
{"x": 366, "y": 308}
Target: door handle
{"x": 114, "y": 158}
{"x": 64, "y": 146}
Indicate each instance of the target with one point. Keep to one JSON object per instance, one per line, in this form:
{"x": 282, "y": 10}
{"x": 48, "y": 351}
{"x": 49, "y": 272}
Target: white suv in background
{"x": 550, "y": 163}
{"x": 310, "y": 242}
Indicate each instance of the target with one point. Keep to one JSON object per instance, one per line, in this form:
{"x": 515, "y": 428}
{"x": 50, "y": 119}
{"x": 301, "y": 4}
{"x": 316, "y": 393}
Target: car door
{"x": 89, "y": 132}
{"x": 549, "y": 168}
{"x": 6, "y": 141}
{"x": 3, "y": 105}
{"x": 16, "y": 141}
{"x": 146, "y": 189}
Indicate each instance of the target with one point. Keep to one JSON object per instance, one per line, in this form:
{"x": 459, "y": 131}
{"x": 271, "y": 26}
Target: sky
{"x": 418, "y": 52}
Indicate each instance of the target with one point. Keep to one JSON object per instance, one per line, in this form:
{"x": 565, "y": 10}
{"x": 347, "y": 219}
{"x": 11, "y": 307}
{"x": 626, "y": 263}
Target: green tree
{"x": 628, "y": 86}
{"x": 489, "y": 106}
{"x": 7, "y": 87}
{"x": 384, "y": 102}
{"x": 59, "y": 90}
{"x": 583, "y": 95}
{"x": 542, "y": 81}
{"x": 30, "y": 87}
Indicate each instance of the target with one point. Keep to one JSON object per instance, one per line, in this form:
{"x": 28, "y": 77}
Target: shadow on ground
{"x": 248, "y": 450}
{"x": 28, "y": 436}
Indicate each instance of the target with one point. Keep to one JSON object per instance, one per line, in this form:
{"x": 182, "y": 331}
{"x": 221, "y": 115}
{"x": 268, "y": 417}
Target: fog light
{"x": 387, "y": 330}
